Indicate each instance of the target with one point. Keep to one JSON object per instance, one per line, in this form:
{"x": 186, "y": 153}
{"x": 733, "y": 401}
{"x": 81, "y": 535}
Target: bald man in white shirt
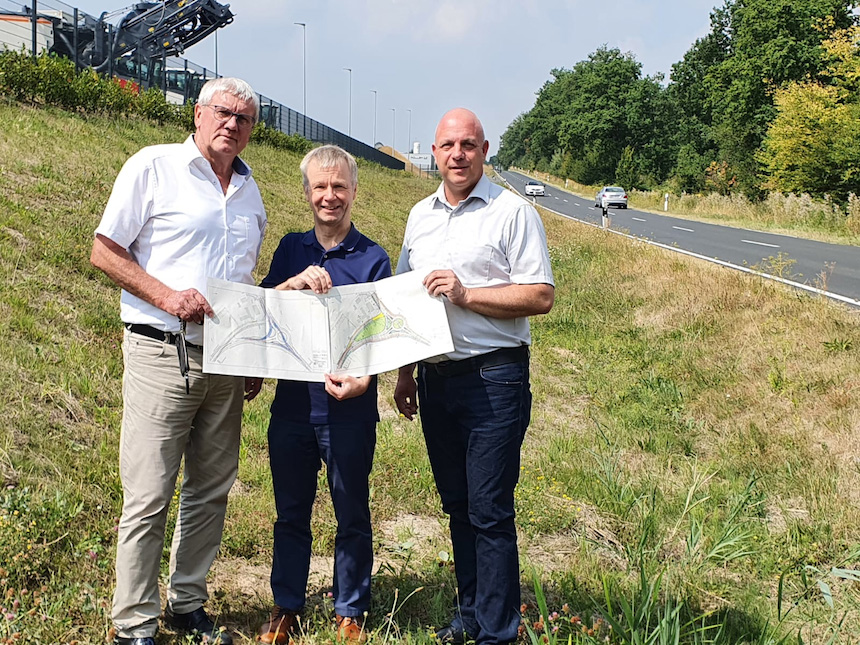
{"x": 483, "y": 250}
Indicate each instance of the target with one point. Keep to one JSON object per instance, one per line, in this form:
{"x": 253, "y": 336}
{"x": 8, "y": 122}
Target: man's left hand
{"x": 252, "y": 387}
{"x": 346, "y": 387}
{"x": 444, "y": 282}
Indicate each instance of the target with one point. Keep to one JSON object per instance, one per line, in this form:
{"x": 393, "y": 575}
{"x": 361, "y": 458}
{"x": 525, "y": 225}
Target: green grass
{"x": 689, "y": 474}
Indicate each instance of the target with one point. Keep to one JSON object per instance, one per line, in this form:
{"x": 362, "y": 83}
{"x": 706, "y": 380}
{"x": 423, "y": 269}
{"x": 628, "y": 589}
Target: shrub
{"x": 277, "y": 139}
{"x": 18, "y": 78}
{"x": 53, "y": 80}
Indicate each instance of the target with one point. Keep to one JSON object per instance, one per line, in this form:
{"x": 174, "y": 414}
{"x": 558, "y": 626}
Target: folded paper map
{"x": 357, "y": 329}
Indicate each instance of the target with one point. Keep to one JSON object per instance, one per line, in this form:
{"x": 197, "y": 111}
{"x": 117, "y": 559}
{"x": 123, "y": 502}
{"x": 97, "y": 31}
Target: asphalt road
{"x": 735, "y": 247}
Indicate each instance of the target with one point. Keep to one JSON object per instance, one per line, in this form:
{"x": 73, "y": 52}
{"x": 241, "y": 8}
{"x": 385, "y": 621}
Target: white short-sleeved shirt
{"x": 168, "y": 209}
{"x": 493, "y": 237}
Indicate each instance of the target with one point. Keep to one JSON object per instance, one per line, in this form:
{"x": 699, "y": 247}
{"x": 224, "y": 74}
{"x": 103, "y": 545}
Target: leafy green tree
{"x": 726, "y": 83}
{"x": 627, "y": 171}
{"x": 585, "y": 117}
{"x": 514, "y": 143}
{"x": 690, "y": 169}
{"x": 813, "y": 144}
{"x": 688, "y": 96}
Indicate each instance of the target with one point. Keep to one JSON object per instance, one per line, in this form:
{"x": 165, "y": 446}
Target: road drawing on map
{"x": 272, "y": 335}
{"x": 356, "y": 329}
{"x": 377, "y": 325}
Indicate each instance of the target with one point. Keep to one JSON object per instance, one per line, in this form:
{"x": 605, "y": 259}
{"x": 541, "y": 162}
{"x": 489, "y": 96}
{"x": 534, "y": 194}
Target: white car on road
{"x": 611, "y": 196}
{"x": 534, "y": 189}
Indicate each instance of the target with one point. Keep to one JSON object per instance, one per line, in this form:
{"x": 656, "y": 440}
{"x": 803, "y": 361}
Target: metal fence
{"x": 52, "y": 26}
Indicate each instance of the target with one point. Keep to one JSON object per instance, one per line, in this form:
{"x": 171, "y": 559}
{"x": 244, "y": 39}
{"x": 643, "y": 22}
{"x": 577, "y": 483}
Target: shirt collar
{"x": 480, "y": 191}
{"x": 348, "y": 244}
{"x": 192, "y": 153}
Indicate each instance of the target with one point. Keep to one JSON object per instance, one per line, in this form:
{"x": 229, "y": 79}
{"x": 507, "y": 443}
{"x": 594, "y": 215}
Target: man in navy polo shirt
{"x": 335, "y": 420}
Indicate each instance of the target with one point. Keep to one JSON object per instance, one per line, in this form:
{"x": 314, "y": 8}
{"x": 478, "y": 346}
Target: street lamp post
{"x": 373, "y": 143}
{"x": 393, "y": 128}
{"x": 304, "y": 69}
{"x": 409, "y": 135}
{"x": 349, "y": 122}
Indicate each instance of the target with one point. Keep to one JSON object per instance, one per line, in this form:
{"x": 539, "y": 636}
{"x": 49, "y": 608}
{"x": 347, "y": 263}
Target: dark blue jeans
{"x": 474, "y": 425}
{"x": 295, "y": 451}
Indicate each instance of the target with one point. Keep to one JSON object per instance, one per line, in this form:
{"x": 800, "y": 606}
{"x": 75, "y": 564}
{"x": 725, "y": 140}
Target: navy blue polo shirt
{"x": 357, "y": 259}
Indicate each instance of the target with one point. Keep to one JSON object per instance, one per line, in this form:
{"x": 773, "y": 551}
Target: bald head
{"x": 460, "y": 150}
{"x": 461, "y": 117}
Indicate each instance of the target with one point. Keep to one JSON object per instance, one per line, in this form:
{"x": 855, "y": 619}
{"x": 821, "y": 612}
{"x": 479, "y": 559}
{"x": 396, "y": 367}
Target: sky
{"x": 424, "y": 57}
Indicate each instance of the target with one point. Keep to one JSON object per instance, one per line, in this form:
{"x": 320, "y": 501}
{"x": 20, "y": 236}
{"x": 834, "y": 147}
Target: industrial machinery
{"x": 135, "y": 48}
{"x": 149, "y": 30}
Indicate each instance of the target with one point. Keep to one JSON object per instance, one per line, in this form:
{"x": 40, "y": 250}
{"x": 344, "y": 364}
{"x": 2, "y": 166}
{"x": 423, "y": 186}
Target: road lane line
{"x": 638, "y": 219}
{"x": 681, "y": 228}
{"x": 773, "y": 246}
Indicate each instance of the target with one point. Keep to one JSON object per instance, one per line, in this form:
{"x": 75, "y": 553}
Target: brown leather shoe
{"x": 280, "y": 628}
{"x": 350, "y": 629}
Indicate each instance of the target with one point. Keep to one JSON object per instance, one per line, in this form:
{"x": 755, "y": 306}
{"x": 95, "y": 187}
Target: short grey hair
{"x": 233, "y": 86}
{"x": 329, "y": 156}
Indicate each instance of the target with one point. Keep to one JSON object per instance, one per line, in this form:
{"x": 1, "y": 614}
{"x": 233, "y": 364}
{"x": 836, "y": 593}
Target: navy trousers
{"x": 474, "y": 425}
{"x": 295, "y": 454}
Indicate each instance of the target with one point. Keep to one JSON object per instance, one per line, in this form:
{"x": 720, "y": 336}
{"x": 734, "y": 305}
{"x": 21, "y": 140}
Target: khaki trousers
{"x": 161, "y": 424}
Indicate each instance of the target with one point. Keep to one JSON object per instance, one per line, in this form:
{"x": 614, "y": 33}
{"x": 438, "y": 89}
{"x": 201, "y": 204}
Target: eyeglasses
{"x": 182, "y": 353}
{"x": 222, "y": 115}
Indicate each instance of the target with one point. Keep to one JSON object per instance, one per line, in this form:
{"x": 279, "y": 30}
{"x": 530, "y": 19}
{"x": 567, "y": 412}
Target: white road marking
{"x": 681, "y": 228}
{"x": 773, "y": 246}
{"x": 638, "y": 219}
{"x": 565, "y": 201}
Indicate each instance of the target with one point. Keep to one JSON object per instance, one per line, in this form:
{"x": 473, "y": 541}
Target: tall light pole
{"x": 304, "y": 68}
{"x": 349, "y": 122}
{"x": 373, "y": 143}
{"x": 393, "y": 128}
{"x": 409, "y": 130}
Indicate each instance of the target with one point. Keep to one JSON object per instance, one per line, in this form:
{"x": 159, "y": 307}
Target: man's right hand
{"x": 315, "y": 278}
{"x": 189, "y": 305}
{"x": 405, "y": 392}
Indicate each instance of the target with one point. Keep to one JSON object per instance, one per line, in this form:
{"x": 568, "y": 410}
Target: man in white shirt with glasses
{"x": 178, "y": 214}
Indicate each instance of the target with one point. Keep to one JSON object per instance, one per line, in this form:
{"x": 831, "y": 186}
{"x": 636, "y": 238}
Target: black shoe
{"x": 145, "y": 640}
{"x": 199, "y": 625}
{"x": 452, "y": 633}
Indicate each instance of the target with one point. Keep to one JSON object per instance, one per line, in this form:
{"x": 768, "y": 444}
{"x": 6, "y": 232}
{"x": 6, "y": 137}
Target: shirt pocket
{"x": 471, "y": 262}
{"x": 242, "y": 236}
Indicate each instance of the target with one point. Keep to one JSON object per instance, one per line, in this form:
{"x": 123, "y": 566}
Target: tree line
{"x": 768, "y": 100}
